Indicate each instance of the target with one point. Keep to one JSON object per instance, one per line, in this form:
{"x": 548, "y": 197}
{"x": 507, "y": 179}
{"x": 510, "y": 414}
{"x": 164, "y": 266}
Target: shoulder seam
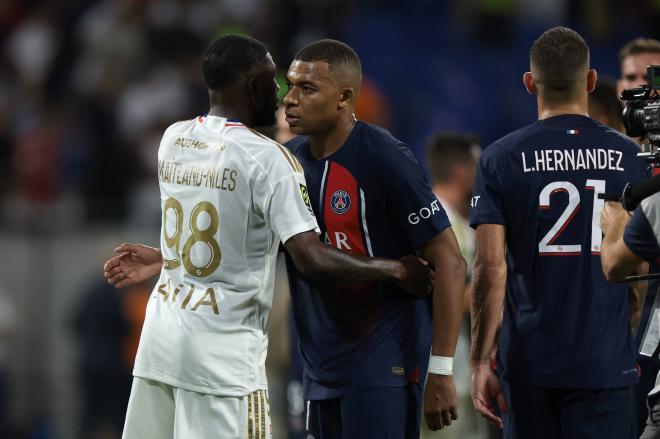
{"x": 290, "y": 158}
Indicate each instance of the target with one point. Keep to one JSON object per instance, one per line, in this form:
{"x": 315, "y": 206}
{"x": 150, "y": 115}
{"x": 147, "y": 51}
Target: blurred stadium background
{"x": 86, "y": 90}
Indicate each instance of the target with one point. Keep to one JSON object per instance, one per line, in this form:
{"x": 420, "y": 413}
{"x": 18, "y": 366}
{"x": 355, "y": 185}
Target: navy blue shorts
{"x": 540, "y": 413}
{"x": 383, "y": 413}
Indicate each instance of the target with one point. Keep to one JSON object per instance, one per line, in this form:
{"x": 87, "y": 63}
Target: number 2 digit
{"x": 546, "y": 245}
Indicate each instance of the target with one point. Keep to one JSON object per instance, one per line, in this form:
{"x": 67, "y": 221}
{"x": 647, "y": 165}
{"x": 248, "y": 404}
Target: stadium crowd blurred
{"x": 87, "y": 88}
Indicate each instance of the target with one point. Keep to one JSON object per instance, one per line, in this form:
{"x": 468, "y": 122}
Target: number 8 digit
{"x": 206, "y": 236}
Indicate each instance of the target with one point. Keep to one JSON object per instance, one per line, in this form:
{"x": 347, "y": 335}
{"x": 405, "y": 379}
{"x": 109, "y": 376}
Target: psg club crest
{"x": 340, "y": 202}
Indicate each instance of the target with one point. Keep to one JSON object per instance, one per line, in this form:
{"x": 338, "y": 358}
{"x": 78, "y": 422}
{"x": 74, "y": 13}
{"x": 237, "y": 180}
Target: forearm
{"x": 448, "y": 305}
{"x": 329, "y": 263}
{"x": 637, "y": 295}
{"x": 487, "y": 302}
{"x": 610, "y": 254}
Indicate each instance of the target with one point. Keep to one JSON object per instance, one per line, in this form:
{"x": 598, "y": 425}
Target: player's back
{"x": 564, "y": 324}
{"x": 221, "y": 188}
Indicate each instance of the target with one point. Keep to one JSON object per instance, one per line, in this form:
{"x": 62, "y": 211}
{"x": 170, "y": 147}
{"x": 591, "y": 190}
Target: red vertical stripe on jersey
{"x": 344, "y": 229}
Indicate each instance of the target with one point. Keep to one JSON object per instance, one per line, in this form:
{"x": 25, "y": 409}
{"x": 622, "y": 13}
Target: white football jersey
{"x": 229, "y": 196}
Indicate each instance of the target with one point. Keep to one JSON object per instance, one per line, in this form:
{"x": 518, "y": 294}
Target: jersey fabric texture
{"x": 642, "y": 231}
{"x": 371, "y": 197}
{"x": 229, "y": 197}
{"x": 543, "y": 413}
{"x": 564, "y": 325}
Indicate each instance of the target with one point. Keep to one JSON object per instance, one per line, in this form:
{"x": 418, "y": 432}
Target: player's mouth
{"x": 292, "y": 119}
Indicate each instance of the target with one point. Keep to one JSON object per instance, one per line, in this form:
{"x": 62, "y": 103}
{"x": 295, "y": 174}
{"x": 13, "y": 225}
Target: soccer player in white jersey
{"x": 229, "y": 196}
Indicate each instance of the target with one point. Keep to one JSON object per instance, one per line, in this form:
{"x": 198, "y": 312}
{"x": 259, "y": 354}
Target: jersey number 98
{"x": 206, "y": 236}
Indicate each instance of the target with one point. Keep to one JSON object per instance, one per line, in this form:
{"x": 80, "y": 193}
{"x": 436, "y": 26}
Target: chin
{"x": 297, "y": 130}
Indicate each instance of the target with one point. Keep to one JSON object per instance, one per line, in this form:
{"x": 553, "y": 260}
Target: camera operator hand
{"x": 613, "y": 216}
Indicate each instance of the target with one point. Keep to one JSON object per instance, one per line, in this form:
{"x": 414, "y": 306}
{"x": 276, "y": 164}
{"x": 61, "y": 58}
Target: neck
{"x": 324, "y": 144}
{"x": 224, "y": 104}
{"x": 579, "y": 106}
{"x": 453, "y": 197}
{"x": 229, "y": 112}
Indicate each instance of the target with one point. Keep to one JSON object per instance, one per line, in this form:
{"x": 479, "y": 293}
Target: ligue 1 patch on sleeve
{"x": 305, "y": 197}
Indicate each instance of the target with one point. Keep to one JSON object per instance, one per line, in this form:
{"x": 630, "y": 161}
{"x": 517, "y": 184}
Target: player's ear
{"x": 592, "y": 78}
{"x": 346, "y": 97}
{"x": 530, "y": 85}
{"x": 253, "y": 90}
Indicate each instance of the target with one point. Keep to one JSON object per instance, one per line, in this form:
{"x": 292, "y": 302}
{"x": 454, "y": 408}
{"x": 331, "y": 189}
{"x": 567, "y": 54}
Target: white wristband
{"x": 441, "y": 365}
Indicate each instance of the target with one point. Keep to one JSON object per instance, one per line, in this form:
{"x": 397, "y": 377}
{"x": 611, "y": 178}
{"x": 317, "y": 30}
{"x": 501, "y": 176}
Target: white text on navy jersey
{"x": 572, "y": 160}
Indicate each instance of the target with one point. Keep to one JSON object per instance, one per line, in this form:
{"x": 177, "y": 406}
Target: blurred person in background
{"x": 452, "y": 161}
{"x": 604, "y": 104}
{"x": 634, "y": 57}
{"x": 7, "y": 326}
{"x": 565, "y": 357}
{"x": 101, "y": 328}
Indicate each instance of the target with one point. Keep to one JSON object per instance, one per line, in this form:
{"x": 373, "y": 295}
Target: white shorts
{"x": 157, "y": 410}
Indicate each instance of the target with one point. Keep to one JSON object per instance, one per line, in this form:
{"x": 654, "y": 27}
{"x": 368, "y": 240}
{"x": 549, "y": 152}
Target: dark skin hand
{"x": 443, "y": 253}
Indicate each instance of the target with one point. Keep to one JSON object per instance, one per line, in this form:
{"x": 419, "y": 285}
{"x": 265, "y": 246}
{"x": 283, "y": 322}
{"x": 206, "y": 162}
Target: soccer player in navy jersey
{"x": 365, "y": 347}
{"x": 565, "y": 359}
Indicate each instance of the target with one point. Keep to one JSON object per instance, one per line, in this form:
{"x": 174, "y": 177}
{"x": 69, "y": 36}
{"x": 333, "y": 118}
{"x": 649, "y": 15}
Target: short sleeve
{"x": 418, "y": 211}
{"x": 639, "y": 237}
{"x": 486, "y": 206}
{"x": 287, "y": 207}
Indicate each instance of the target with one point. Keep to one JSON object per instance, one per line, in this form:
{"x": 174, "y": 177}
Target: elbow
{"x": 307, "y": 263}
{"x": 489, "y": 269}
{"x": 612, "y": 272}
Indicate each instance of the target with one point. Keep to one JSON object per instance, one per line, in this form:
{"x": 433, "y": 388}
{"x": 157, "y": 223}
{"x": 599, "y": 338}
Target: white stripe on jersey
{"x": 364, "y": 224}
{"x": 325, "y": 173}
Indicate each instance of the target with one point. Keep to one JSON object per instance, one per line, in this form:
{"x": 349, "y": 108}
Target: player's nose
{"x": 289, "y": 100}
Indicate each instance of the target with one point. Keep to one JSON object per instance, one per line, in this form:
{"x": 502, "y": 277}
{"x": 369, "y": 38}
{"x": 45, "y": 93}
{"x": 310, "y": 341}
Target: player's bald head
{"x": 343, "y": 63}
{"x": 559, "y": 60}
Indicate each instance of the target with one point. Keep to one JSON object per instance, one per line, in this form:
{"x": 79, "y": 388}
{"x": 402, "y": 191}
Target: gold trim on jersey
{"x": 262, "y": 415}
{"x": 293, "y": 161}
{"x": 250, "y": 436}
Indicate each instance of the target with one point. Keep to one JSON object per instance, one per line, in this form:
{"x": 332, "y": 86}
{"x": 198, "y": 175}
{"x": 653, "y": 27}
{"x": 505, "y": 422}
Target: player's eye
{"x": 630, "y": 77}
{"x": 288, "y": 85}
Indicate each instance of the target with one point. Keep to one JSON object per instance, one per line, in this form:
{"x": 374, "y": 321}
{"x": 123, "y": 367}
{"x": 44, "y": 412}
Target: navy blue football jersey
{"x": 371, "y": 197}
{"x": 564, "y": 324}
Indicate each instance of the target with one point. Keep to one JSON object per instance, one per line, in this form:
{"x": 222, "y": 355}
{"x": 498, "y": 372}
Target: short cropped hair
{"x": 335, "y": 53}
{"x": 557, "y": 55}
{"x": 229, "y": 57}
{"x": 444, "y": 150}
{"x": 639, "y": 45}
